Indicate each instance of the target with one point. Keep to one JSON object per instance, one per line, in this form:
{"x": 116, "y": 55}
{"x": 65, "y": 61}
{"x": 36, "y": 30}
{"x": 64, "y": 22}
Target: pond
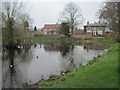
{"x": 32, "y": 63}
{"x": 0, "y": 67}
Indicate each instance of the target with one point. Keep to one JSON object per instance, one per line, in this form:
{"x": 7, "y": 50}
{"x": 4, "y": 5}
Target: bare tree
{"x": 24, "y": 23}
{"x": 108, "y": 14}
{"x": 25, "y": 20}
{"x": 119, "y": 22}
{"x": 11, "y": 12}
{"x": 0, "y": 27}
{"x": 72, "y": 15}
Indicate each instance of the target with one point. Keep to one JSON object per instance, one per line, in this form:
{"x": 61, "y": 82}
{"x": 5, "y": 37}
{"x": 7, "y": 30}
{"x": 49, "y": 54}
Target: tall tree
{"x": 108, "y": 14}
{"x": 11, "y": 12}
{"x": 72, "y": 15}
{"x": 119, "y": 23}
{"x": 65, "y": 28}
{"x": 25, "y": 23}
{"x": 25, "y": 20}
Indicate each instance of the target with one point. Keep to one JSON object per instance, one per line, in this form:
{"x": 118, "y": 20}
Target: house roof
{"x": 47, "y": 26}
{"x": 95, "y": 24}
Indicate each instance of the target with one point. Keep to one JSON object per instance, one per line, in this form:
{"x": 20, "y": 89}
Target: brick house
{"x": 51, "y": 28}
{"x": 94, "y": 28}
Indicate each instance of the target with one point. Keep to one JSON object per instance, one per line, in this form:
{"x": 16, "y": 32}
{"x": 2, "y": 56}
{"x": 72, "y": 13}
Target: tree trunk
{"x": 11, "y": 36}
{"x": 119, "y": 21}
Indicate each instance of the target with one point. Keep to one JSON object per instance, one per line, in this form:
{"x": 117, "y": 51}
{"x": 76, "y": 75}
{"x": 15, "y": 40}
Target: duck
{"x": 11, "y": 66}
{"x": 63, "y": 74}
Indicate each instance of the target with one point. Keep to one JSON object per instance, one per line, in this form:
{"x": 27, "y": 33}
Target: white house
{"x": 95, "y": 28}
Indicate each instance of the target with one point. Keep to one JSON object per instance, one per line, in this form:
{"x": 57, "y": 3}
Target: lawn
{"x": 101, "y": 73}
{"x": 55, "y": 39}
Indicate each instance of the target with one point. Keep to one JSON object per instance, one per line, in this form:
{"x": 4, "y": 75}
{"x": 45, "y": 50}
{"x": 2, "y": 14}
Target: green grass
{"x": 108, "y": 41}
{"x": 55, "y": 39}
{"x": 102, "y": 73}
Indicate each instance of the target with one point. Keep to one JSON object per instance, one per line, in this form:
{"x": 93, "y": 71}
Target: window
{"x": 94, "y": 27}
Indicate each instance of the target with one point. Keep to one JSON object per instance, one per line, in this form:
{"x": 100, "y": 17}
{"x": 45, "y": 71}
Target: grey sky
{"x": 49, "y": 12}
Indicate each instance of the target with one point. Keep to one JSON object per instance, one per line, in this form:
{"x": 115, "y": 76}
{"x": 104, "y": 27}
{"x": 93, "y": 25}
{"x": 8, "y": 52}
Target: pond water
{"x": 35, "y": 62}
{"x": 0, "y": 67}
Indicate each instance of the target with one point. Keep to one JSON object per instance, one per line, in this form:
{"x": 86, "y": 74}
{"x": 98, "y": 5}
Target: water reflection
{"x": 12, "y": 75}
{"x": 10, "y": 71}
{"x": 94, "y": 46}
{"x": 32, "y": 63}
{"x": 62, "y": 48}
{"x": 0, "y": 66}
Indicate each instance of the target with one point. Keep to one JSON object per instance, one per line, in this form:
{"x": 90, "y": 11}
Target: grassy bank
{"x": 101, "y": 73}
{"x": 55, "y": 39}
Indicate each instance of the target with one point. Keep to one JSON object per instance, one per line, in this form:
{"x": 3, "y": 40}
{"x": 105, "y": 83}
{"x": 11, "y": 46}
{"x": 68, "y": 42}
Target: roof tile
{"x": 47, "y": 26}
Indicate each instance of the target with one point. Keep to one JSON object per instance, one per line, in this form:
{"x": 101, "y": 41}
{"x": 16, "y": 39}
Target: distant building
{"x": 51, "y": 28}
{"x": 78, "y": 32}
{"x": 95, "y": 28}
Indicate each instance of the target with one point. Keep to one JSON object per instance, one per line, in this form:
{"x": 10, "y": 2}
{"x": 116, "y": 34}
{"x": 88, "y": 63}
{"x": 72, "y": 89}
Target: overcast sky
{"x": 49, "y": 12}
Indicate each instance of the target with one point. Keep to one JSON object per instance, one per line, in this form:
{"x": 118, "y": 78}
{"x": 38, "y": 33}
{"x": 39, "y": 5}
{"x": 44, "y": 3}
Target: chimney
{"x": 87, "y": 22}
